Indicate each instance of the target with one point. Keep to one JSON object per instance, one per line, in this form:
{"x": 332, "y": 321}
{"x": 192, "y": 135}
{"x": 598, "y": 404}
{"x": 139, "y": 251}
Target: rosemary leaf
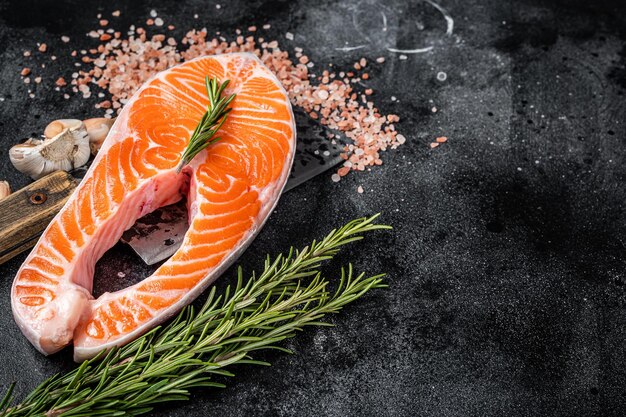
{"x": 210, "y": 123}
{"x": 165, "y": 363}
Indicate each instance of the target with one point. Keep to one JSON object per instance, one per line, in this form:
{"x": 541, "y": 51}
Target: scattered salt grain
{"x": 380, "y": 60}
{"x": 120, "y": 66}
{"x": 60, "y": 82}
{"x": 116, "y": 13}
{"x": 104, "y": 22}
{"x": 442, "y": 76}
{"x": 27, "y": 80}
{"x": 153, "y": 13}
{"x": 121, "y": 274}
{"x": 252, "y": 29}
{"x": 335, "y": 178}
{"x": 26, "y": 53}
{"x": 434, "y": 145}
{"x": 43, "y": 47}
{"x": 441, "y": 139}
{"x": 267, "y": 26}
{"x": 218, "y": 6}
{"x": 25, "y": 72}
{"x": 403, "y": 57}
{"x": 37, "y": 80}
{"x": 359, "y": 190}
{"x": 65, "y": 39}
{"x": 158, "y": 21}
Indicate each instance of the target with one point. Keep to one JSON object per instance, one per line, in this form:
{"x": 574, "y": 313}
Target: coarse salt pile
{"x": 121, "y": 66}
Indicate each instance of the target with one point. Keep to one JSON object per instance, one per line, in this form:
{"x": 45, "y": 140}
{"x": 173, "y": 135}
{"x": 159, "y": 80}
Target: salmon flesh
{"x": 231, "y": 188}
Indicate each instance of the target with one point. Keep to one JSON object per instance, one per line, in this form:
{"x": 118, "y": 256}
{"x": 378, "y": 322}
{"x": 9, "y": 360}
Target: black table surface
{"x": 508, "y": 256}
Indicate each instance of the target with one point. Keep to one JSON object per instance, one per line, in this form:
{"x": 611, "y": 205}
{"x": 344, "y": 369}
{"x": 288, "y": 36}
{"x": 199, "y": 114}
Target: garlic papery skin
{"x": 5, "y": 189}
{"x": 98, "y": 129}
{"x": 65, "y": 151}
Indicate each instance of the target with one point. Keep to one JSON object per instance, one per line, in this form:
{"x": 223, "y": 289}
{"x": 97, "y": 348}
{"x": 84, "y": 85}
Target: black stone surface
{"x": 506, "y": 265}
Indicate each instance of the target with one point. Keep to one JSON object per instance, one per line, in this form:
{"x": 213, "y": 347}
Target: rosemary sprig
{"x": 167, "y": 362}
{"x": 212, "y": 120}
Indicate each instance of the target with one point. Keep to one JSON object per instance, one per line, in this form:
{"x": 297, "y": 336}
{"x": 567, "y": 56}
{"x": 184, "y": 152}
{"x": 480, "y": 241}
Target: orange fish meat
{"x": 231, "y": 188}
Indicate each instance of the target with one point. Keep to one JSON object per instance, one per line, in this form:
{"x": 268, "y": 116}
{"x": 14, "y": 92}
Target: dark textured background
{"x": 506, "y": 265}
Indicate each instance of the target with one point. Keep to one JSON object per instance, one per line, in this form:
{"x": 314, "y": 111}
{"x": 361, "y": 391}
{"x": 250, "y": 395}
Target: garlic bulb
{"x": 66, "y": 150}
{"x": 98, "y": 129}
{"x": 5, "y": 189}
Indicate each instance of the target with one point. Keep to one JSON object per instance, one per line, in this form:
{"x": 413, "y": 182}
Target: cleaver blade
{"x": 158, "y": 235}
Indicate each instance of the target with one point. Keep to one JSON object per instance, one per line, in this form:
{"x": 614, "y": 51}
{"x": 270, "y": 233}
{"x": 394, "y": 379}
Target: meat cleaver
{"x": 158, "y": 235}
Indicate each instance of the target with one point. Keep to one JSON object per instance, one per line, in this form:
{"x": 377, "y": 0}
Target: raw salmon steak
{"x": 231, "y": 188}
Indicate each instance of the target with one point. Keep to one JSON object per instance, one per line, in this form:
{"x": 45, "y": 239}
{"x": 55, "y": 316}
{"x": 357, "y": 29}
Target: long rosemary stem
{"x": 164, "y": 364}
{"x": 210, "y": 123}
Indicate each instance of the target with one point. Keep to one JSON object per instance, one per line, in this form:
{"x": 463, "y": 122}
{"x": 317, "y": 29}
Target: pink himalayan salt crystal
{"x": 122, "y": 65}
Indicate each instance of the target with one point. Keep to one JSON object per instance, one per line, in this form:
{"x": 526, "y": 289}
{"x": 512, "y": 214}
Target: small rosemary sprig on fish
{"x": 167, "y": 362}
{"x": 212, "y": 120}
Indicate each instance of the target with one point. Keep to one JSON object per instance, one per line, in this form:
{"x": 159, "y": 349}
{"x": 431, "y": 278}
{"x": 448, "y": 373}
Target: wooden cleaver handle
{"x": 26, "y": 213}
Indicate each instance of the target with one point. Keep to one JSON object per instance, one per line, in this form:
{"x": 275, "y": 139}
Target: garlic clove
{"x": 56, "y": 127}
{"x": 5, "y": 189}
{"x": 25, "y": 158}
{"x": 98, "y": 129}
{"x": 65, "y": 151}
